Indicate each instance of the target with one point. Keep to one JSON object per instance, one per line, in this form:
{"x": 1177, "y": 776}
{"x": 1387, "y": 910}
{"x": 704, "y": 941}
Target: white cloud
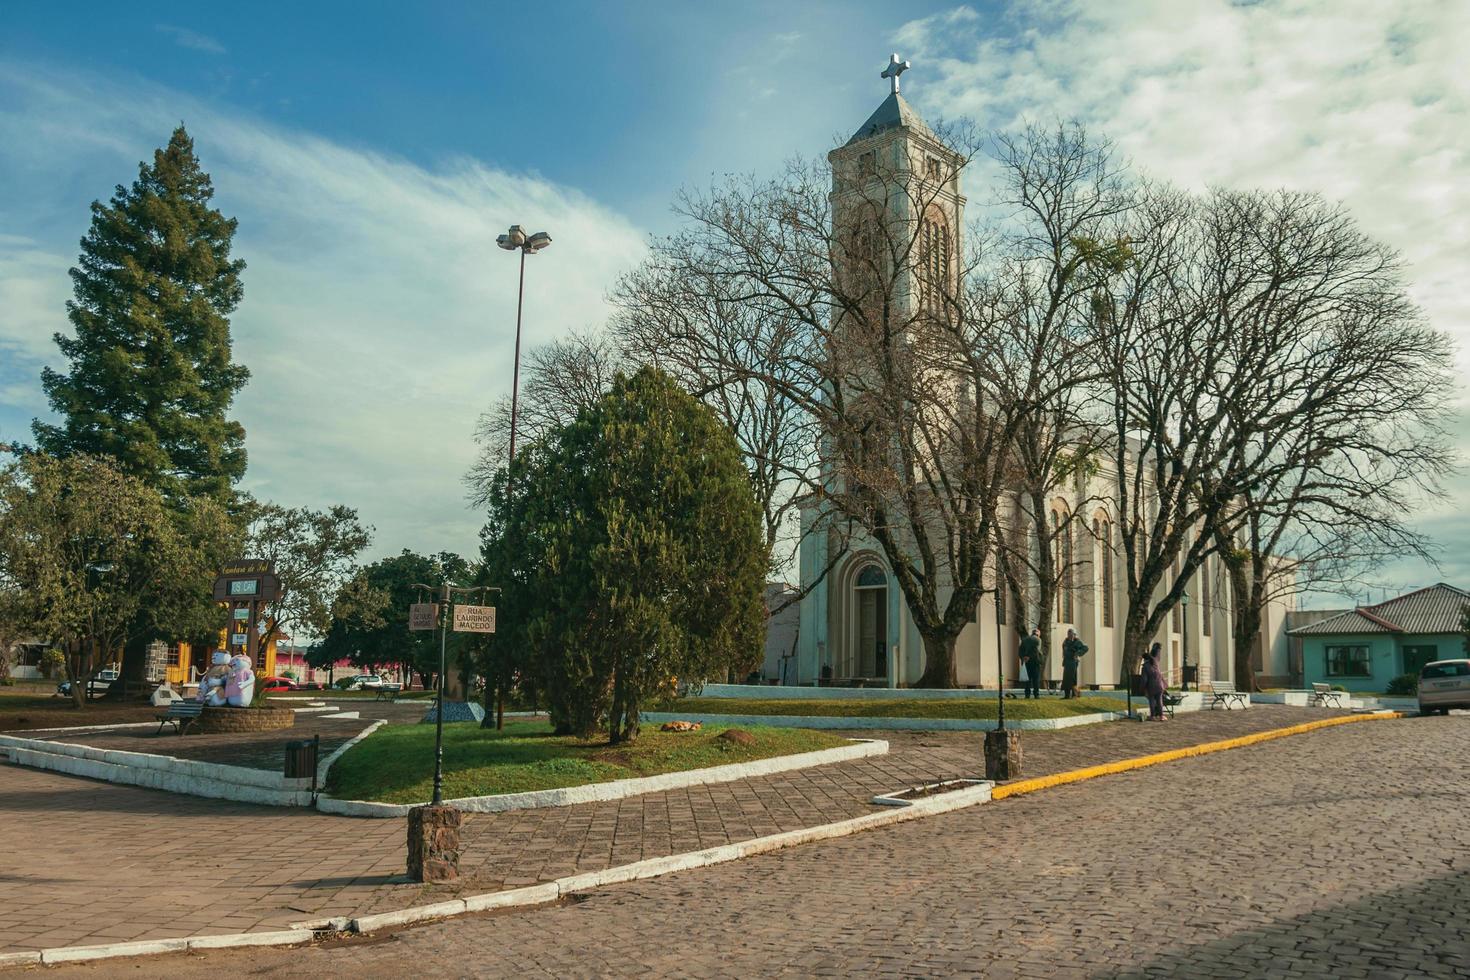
{"x": 1362, "y": 100}
{"x": 378, "y": 317}
{"x": 192, "y": 40}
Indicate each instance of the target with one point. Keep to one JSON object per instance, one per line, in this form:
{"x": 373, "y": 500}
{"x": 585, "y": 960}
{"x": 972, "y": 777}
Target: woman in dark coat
{"x": 1153, "y": 683}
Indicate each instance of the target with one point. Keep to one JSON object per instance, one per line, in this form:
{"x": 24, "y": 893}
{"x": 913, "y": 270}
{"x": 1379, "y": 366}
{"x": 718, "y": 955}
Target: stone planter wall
{"x": 215, "y": 721}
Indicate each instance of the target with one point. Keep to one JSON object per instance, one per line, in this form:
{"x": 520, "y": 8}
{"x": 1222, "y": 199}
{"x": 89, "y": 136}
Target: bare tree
{"x": 1063, "y": 195}
{"x": 1245, "y": 326}
{"x": 738, "y": 357}
{"x": 858, "y": 302}
{"x": 1350, "y": 412}
{"x": 561, "y": 378}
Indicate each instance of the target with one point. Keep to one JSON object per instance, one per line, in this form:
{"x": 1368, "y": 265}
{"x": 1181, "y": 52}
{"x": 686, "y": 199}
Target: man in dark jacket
{"x": 1031, "y": 662}
{"x": 1072, "y": 650}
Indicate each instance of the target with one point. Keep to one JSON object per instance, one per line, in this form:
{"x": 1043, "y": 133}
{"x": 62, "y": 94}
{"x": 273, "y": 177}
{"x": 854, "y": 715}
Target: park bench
{"x": 180, "y": 714}
{"x": 388, "y": 692}
{"x": 1225, "y": 693}
{"x": 1323, "y": 695}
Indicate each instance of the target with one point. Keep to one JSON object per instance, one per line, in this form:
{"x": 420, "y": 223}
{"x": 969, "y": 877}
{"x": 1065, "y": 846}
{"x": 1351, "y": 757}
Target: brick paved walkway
{"x": 89, "y": 860}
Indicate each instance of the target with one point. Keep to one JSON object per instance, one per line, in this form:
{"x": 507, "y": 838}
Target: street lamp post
{"x": 516, "y": 240}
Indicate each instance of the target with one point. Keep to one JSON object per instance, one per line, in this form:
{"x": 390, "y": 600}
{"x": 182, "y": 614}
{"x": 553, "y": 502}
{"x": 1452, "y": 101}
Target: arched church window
{"x": 871, "y": 576}
{"x": 934, "y": 261}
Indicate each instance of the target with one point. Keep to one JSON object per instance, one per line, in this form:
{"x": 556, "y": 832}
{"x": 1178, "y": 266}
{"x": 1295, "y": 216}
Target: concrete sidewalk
{"x": 91, "y": 862}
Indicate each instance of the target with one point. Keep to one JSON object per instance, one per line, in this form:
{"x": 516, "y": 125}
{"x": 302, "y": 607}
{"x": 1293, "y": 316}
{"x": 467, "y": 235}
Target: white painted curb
{"x": 849, "y": 723}
{"x": 150, "y": 947}
{"x": 618, "y": 788}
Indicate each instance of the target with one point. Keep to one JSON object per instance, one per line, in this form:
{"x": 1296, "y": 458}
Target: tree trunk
{"x": 1136, "y": 640}
{"x": 939, "y": 663}
{"x": 1246, "y": 627}
{"x": 78, "y": 671}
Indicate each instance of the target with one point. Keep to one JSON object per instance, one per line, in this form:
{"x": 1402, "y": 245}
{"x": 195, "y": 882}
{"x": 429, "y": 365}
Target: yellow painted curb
{"x": 1108, "y": 768}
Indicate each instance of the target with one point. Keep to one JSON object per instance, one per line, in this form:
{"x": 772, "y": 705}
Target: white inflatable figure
{"x": 212, "y": 684}
{"x": 240, "y": 688}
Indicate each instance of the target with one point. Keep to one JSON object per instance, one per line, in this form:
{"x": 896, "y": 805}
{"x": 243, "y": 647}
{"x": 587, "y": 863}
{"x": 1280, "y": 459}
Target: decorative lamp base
{"x": 1002, "y": 755}
{"x": 433, "y": 843}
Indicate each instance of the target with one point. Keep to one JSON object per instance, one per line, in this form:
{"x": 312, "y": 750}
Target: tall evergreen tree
{"x": 151, "y": 377}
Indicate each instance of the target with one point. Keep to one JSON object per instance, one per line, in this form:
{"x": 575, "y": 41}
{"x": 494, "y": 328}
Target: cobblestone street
{"x": 1338, "y": 853}
{"x": 234, "y": 867}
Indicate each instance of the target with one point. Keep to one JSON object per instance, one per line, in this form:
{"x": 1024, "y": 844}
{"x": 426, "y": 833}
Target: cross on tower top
{"x": 894, "y": 69}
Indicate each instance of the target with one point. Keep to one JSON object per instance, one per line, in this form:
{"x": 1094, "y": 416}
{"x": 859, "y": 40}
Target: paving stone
{"x": 146, "y": 834}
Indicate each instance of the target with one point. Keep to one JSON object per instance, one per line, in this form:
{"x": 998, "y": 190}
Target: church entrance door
{"x": 871, "y": 658}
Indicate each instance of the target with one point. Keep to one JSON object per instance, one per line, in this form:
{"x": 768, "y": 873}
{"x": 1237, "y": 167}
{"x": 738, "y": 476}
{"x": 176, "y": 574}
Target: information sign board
{"x": 474, "y": 619}
{"x": 423, "y": 615}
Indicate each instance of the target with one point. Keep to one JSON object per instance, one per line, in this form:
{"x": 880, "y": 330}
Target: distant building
{"x": 1363, "y": 649}
{"x": 782, "y": 624}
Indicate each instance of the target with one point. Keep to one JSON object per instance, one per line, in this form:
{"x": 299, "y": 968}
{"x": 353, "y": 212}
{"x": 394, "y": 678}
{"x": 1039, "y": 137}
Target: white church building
{"x": 855, "y": 627}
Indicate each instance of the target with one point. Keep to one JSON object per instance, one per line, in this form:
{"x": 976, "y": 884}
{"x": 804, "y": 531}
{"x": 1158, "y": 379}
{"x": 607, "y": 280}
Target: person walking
{"x": 1153, "y": 683}
{"x": 1031, "y": 663}
{"x": 1072, "y": 651}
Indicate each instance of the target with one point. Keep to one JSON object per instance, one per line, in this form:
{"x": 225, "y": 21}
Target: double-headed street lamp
{"x": 446, "y": 593}
{"x": 516, "y": 240}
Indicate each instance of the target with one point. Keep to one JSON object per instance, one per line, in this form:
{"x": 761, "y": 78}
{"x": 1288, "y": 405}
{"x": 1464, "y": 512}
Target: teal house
{"x": 1364, "y": 648}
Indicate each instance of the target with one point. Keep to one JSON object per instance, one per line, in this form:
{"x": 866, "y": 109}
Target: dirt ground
{"x": 25, "y": 710}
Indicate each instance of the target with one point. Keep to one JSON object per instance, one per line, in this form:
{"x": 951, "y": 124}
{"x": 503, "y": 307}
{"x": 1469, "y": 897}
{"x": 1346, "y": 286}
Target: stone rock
{"x": 457, "y": 711}
{"x": 433, "y": 843}
{"x": 1002, "y": 755}
{"x": 738, "y": 736}
{"x": 681, "y": 726}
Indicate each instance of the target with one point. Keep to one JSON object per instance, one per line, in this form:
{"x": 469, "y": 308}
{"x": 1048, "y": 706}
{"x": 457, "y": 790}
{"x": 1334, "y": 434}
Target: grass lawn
{"x": 979, "y": 708}
{"x": 396, "y": 763}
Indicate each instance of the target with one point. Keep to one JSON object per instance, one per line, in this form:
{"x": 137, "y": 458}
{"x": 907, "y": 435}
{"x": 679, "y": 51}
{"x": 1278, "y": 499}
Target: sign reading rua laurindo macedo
{"x": 474, "y": 619}
{"x": 245, "y": 579}
{"x": 423, "y": 615}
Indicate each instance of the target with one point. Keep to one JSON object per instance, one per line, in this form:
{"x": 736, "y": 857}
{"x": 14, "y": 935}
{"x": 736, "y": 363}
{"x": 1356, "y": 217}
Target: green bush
{"x": 632, "y": 554}
{"x": 1404, "y": 685}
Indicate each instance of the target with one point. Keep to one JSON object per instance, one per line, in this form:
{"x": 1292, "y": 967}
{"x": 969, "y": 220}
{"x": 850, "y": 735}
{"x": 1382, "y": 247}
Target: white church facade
{"x": 855, "y": 627}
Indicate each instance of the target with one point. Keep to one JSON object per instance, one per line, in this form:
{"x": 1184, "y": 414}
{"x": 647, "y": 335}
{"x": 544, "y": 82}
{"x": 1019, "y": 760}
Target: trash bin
{"x": 301, "y": 759}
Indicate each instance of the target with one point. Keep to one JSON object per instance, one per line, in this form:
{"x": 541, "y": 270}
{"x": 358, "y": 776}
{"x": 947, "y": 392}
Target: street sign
{"x": 239, "y": 639}
{"x": 423, "y": 615}
{"x": 474, "y": 619}
{"x": 242, "y": 612}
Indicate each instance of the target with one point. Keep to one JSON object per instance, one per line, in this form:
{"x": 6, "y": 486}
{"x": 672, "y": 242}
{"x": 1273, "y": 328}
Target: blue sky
{"x": 372, "y": 151}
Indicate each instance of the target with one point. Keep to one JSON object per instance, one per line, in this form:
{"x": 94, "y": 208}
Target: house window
{"x": 1176, "y": 615}
{"x": 932, "y": 168}
{"x": 1348, "y": 662}
{"x": 1204, "y": 599}
{"x": 867, "y": 164}
{"x": 1106, "y": 537}
{"x": 1069, "y": 611}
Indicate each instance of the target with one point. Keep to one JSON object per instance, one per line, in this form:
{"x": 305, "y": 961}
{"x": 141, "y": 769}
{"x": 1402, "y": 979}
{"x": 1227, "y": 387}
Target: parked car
{"x": 98, "y": 684}
{"x": 1444, "y": 684}
{"x": 366, "y": 682}
{"x": 275, "y": 684}
{"x": 309, "y": 686}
